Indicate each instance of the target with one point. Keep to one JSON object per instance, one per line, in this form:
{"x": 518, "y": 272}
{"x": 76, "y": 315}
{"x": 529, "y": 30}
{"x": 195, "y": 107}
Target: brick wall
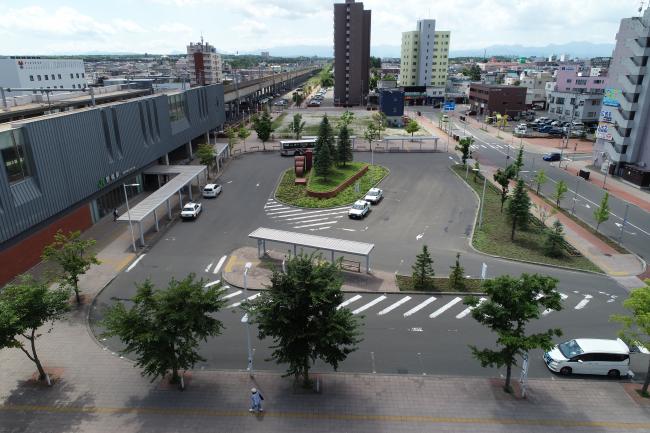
{"x": 21, "y": 256}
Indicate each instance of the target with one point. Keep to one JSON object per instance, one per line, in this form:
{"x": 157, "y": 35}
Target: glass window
{"x": 53, "y": 77}
{"x": 59, "y": 75}
{"x": 31, "y": 78}
{"x": 77, "y": 75}
{"x": 47, "y": 77}
{"x": 12, "y": 150}
{"x": 177, "y": 110}
{"x": 39, "y": 77}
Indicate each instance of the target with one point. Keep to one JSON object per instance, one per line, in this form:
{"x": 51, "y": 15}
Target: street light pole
{"x": 128, "y": 213}
{"x": 248, "y": 322}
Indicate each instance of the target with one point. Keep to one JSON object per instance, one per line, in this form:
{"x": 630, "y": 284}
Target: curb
{"x": 471, "y": 242}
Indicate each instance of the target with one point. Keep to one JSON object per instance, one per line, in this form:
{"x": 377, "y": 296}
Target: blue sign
{"x": 449, "y": 106}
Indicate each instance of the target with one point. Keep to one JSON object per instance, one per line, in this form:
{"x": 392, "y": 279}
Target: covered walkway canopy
{"x": 183, "y": 175}
{"x": 311, "y": 241}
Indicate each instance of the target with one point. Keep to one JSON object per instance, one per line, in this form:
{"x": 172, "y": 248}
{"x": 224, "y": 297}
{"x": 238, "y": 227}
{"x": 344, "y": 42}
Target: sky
{"x": 41, "y": 27}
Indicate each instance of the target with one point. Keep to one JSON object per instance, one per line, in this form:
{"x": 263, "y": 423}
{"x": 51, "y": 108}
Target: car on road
{"x": 374, "y": 195}
{"x": 211, "y": 190}
{"x": 359, "y": 209}
{"x": 553, "y": 156}
{"x": 313, "y": 103}
{"x": 590, "y": 356}
{"x": 191, "y": 210}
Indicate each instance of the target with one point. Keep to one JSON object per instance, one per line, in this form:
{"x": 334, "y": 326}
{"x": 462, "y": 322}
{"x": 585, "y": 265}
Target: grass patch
{"x": 494, "y": 235}
{"x": 439, "y": 284}
{"x": 277, "y": 122}
{"x": 296, "y": 195}
{"x": 335, "y": 178}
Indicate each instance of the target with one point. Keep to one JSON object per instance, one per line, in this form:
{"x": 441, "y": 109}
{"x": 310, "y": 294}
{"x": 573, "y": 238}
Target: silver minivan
{"x": 590, "y": 356}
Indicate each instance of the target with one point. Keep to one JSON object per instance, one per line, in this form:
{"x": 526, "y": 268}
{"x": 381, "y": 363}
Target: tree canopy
{"x": 300, "y": 313}
{"x": 519, "y": 207}
{"x": 263, "y": 126}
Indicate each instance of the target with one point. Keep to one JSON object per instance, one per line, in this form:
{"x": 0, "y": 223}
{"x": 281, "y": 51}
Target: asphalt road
{"x": 425, "y": 203}
{"x": 636, "y": 233}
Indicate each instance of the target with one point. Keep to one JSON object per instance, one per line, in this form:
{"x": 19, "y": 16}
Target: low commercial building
{"x": 37, "y": 72}
{"x": 535, "y": 84}
{"x": 567, "y": 106}
{"x": 65, "y": 171}
{"x": 488, "y": 99}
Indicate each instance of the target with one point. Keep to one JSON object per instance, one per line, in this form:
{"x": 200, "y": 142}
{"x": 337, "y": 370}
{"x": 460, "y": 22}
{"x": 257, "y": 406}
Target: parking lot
{"x": 424, "y": 203}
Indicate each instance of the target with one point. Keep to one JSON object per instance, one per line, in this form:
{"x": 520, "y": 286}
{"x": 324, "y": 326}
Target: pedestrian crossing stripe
{"x": 311, "y": 219}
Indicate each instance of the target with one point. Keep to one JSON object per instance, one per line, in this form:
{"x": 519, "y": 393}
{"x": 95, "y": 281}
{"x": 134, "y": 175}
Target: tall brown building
{"x": 351, "y": 53}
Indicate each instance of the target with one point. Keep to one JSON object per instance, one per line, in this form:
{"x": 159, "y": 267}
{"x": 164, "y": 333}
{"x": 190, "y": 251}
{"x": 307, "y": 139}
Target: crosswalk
{"x": 308, "y": 219}
{"x": 412, "y": 306}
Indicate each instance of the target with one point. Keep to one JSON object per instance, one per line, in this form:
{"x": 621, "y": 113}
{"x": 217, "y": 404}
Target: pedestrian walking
{"x": 115, "y": 214}
{"x": 256, "y": 401}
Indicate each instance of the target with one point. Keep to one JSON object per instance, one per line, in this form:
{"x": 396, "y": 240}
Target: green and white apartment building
{"x": 424, "y": 61}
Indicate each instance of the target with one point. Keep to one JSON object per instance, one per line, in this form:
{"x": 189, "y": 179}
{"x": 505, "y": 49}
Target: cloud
{"x": 175, "y": 28}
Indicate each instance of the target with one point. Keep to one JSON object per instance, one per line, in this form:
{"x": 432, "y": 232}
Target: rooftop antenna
{"x": 201, "y": 37}
{"x": 641, "y": 7}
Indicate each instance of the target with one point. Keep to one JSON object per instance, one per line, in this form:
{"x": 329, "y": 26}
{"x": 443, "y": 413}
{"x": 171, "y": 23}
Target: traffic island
{"x": 259, "y": 275}
{"x": 339, "y": 189}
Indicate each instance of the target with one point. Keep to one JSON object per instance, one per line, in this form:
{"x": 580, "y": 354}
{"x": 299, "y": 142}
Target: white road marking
{"x": 322, "y": 228}
{"x": 257, "y": 185}
{"x": 132, "y": 265}
{"x": 582, "y": 303}
{"x": 349, "y": 230}
{"x": 219, "y": 265}
{"x": 214, "y": 283}
{"x": 230, "y": 181}
{"x": 315, "y": 212}
{"x": 232, "y": 295}
{"x": 271, "y": 206}
{"x": 468, "y": 310}
{"x": 419, "y": 306}
{"x": 369, "y": 304}
{"x": 548, "y": 310}
{"x": 316, "y": 215}
{"x": 610, "y": 300}
{"x": 317, "y": 219}
{"x": 315, "y": 224}
{"x": 348, "y": 302}
{"x": 284, "y": 212}
{"x": 393, "y": 306}
{"x": 207, "y": 268}
{"x": 237, "y": 304}
{"x": 445, "y": 307}
{"x": 270, "y": 199}
{"x": 418, "y": 237}
{"x": 245, "y": 318}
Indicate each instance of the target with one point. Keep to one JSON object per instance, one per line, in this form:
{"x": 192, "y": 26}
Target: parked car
{"x": 557, "y": 131}
{"x": 191, "y": 210}
{"x": 590, "y": 356}
{"x": 556, "y": 123}
{"x": 374, "y": 195}
{"x": 471, "y": 112}
{"x": 544, "y": 128}
{"x": 359, "y": 209}
{"x": 211, "y": 190}
{"x": 313, "y": 103}
{"x": 554, "y": 156}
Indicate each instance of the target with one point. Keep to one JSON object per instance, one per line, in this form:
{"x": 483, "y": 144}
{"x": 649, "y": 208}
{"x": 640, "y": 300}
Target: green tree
{"x": 300, "y": 313}
{"x": 473, "y": 72}
{"x": 375, "y": 62}
{"x": 554, "y": 242}
{"x": 636, "y": 327}
{"x": 325, "y": 139}
{"x": 24, "y": 308}
{"x": 601, "y": 214}
{"x": 346, "y": 119}
{"x": 298, "y": 98}
{"x": 263, "y": 126}
{"x": 422, "y": 276}
{"x": 510, "y": 304}
{"x": 163, "y": 328}
{"x": 371, "y": 134}
{"x": 344, "y": 146}
{"x": 206, "y": 155}
{"x": 561, "y": 189}
{"x": 323, "y": 161}
{"x": 412, "y": 127}
{"x": 374, "y": 78}
{"x": 519, "y": 207}
{"x": 379, "y": 119}
{"x": 519, "y": 162}
{"x": 457, "y": 276}
{"x": 231, "y": 133}
{"x": 540, "y": 179}
{"x": 73, "y": 256}
{"x": 464, "y": 148}
{"x": 297, "y": 125}
{"x": 243, "y": 133}
{"x": 503, "y": 177}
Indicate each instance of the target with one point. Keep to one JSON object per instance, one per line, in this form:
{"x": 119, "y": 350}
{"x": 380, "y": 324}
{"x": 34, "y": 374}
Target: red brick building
{"x": 489, "y": 99}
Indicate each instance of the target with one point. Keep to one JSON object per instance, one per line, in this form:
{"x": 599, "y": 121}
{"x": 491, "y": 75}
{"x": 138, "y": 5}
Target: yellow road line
{"x": 124, "y": 262}
{"x": 326, "y": 416}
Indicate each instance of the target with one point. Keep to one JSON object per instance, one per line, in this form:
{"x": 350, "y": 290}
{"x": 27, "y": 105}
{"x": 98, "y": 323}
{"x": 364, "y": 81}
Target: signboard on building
{"x": 449, "y": 106}
{"x": 605, "y": 116}
{"x": 603, "y": 132}
{"x": 612, "y": 97}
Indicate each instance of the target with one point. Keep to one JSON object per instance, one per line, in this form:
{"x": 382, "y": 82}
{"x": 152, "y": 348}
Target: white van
{"x": 211, "y": 190}
{"x": 590, "y": 356}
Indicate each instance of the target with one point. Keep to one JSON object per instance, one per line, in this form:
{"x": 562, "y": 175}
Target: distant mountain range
{"x": 574, "y": 49}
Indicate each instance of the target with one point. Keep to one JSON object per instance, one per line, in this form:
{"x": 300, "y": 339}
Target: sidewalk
{"x": 98, "y": 391}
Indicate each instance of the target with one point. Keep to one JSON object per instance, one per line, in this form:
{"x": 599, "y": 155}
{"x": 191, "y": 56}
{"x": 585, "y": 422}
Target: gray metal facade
{"x": 75, "y": 156}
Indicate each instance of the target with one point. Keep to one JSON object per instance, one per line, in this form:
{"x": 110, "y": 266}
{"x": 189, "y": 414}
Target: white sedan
{"x": 359, "y": 209}
{"x": 374, "y": 195}
{"x": 191, "y": 210}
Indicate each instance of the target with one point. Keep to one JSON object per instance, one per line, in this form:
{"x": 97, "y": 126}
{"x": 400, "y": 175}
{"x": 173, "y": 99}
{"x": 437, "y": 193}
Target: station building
{"x": 66, "y": 170}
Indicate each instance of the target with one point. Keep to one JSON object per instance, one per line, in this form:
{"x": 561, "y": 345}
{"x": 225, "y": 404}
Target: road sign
{"x": 449, "y": 106}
